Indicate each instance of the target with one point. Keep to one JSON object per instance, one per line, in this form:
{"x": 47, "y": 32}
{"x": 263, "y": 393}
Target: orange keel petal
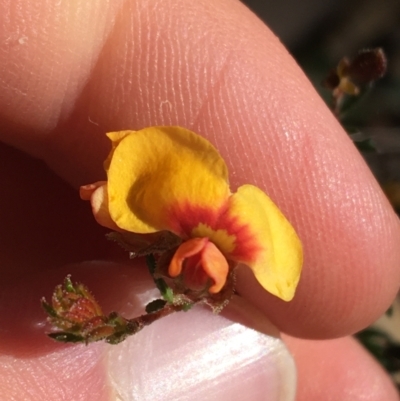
{"x": 185, "y": 251}
{"x": 216, "y": 266}
{"x": 199, "y": 260}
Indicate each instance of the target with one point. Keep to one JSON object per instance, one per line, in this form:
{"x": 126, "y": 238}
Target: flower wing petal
{"x": 157, "y": 176}
{"x": 265, "y": 241}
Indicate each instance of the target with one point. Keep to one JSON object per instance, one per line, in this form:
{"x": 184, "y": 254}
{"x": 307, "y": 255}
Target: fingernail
{"x": 201, "y": 356}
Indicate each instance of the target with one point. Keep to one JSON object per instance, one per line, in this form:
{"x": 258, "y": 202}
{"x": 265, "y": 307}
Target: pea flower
{"x": 169, "y": 179}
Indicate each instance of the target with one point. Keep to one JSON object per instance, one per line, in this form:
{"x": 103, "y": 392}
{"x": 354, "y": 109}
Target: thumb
{"x": 181, "y": 357}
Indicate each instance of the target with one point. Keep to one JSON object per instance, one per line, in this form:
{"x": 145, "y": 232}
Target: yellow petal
{"x": 265, "y": 241}
{"x": 97, "y": 194}
{"x": 343, "y": 67}
{"x": 163, "y": 178}
{"x": 220, "y": 237}
{"x": 348, "y": 87}
{"x": 115, "y": 138}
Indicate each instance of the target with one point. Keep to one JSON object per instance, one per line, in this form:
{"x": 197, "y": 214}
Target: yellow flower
{"x": 169, "y": 178}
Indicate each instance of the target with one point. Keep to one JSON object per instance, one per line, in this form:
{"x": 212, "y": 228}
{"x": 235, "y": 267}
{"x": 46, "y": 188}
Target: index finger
{"x": 216, "y": 69}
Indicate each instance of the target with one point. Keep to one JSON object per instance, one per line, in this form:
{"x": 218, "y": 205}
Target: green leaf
{"x": 187, "y": 307}
{"x": 68, "y": 284}
{"x": 165, "y": 291}
{"x": 155, "y": 305}
{"x": 49, "y": 309}
{"x": 151, "y": 264}
{"x": 116, "y": 338}
{"x": 66, "y": 337}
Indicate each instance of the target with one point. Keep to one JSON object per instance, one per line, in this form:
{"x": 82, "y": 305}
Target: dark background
{"x": 318, "y": 33}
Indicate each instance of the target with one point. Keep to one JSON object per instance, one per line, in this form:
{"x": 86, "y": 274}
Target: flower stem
{"x": 149, "y": 318}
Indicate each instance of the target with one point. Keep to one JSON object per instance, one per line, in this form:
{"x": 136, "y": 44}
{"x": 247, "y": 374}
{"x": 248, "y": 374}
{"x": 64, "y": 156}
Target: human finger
{"x": 338, "y": 370}
{"x": 198, "y": 355}
{"x": 242, "y": 91}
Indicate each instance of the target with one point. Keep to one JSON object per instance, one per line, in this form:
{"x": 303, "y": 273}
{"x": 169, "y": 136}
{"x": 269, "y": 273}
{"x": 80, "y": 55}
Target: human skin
{"x": 71, "y": 71}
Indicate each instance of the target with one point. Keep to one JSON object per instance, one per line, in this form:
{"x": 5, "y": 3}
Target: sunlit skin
{"x": 85, "y": 68}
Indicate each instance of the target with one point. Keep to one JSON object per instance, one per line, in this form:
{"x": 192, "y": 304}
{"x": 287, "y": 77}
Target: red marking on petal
{"x": 183, "y": 218}
{"x": 247, "y": 245}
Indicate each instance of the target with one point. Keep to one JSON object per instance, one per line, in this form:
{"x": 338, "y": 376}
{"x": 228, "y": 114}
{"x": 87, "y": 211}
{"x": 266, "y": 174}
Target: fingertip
{"x": 190, "y": 65}
{"x": 202, "y": 357}
{"x": 339, "y": 370}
